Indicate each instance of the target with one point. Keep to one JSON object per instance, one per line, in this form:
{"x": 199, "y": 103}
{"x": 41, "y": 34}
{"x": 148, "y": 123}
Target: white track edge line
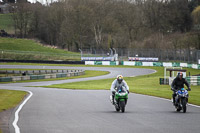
{"x": 166, "y": 99}
{"x": 17, "y": 129}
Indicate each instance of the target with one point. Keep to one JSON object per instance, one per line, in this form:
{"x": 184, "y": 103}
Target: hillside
{"x": 25, "y": 49}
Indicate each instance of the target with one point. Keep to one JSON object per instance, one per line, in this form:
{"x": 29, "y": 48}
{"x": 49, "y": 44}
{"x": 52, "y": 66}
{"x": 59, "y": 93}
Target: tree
{"x": 9, "y": 1}
{"x": 193, "y": 4}
{"x": 130, "y": 17}
{"x": 22, "y": 16}
{"x": 196, "y": 21}
{"x": 180, "y": 18}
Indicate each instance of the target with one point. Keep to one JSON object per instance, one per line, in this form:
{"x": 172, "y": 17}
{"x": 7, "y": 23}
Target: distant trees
{"x": 8, "y": 1}
{"x": 103, "y": 24}
{"x": 22, "y": 16}
{"x": 196, "y": 16}
{"x": 196, "y": 20}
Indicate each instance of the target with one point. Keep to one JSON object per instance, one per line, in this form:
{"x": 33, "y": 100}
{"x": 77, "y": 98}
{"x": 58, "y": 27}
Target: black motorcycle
{"x": 181, "y": 100}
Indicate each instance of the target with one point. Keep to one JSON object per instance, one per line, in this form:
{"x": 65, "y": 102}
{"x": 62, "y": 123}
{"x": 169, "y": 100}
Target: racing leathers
{"x": 115, "y": 85}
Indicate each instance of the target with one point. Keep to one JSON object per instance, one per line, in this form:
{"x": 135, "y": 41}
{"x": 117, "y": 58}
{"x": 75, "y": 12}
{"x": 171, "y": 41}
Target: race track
{"x": 52, "y": 110}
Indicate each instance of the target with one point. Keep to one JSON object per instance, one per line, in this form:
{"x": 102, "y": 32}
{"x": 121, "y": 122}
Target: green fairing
{"x": 121, "y": 98}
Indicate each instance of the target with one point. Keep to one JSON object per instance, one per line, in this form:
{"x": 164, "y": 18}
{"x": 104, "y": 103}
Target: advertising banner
{"x": 142, "y": 59}
{"x": 97, "y": 58}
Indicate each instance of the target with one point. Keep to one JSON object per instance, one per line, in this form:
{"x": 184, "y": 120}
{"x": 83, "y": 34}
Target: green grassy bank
{"x": 26, "y": 49}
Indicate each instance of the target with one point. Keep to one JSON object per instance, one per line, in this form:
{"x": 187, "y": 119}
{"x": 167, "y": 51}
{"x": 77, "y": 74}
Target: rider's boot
{"x": 113, "y": 102}
{"x": 173, "y": 98}
{"x": 113, "y": 97}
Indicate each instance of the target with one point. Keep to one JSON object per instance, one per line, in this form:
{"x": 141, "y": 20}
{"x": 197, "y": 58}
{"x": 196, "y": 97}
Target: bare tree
{"x": 22, "y": 16}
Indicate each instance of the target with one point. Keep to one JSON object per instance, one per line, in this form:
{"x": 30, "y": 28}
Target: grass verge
{"x": 147, "y": 84}
{"x": 10, "y": 98}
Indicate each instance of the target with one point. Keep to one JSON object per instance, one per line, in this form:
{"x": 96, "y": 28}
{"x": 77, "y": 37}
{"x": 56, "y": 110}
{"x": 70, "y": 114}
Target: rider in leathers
{"x": 177, "y": 84}
{"x": 118, "y": 83}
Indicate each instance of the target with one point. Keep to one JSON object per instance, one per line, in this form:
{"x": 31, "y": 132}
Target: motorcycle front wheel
{"x": 122, "y": 106}
{"x": 183, "y": 102}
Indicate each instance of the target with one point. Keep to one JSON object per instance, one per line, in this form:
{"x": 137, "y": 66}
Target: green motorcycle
{"x": 120, "y": 99}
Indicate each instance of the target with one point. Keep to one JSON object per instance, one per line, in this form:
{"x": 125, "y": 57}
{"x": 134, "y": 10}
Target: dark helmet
{"x": 180, "y": 75}
{"x": 119, "y": 79}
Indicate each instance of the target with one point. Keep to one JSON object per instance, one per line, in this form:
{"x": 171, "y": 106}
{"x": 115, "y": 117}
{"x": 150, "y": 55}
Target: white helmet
{"x": 119, "y": 78}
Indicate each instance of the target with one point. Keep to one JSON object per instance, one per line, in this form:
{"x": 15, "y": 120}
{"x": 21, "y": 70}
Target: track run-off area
{"x": 52, "y": 110}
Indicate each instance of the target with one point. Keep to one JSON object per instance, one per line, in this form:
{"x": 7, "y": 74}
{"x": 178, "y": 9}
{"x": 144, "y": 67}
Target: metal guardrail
{"x": 44, "y": 76}
{"x": 31, "y": 72}
{"x": 44, "y": 61}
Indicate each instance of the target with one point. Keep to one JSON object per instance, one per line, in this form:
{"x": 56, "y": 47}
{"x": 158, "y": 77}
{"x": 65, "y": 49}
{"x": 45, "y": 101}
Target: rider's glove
{"x": 128, "y": 91}
{"x": 188, "y": 89}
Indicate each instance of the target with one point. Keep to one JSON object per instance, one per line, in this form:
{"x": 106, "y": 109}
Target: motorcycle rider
{"x": 119, "y": 82}
{"x": 177, "y": 84}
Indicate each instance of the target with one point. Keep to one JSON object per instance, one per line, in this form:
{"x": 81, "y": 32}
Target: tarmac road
{"x": 52, "y": 110}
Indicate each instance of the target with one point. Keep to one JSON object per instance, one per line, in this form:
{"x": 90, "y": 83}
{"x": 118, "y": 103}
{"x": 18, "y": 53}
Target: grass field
{"x": 10, "y": 98}
{"x": 27, "y": 45}
{"x": 147, "y": 84}
{"x": 26, "y": 49}
{"x": 6, "y": 23}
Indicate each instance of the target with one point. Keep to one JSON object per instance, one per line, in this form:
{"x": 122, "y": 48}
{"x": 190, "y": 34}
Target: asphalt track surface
{"x": 52, "y": 110}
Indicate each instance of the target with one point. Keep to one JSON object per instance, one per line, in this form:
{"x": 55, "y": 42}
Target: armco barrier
{"x": 53, "y": 76}
{"x": 33, "y": 77}
{"x": 5, "y": 79}
{"x": 44, "y": 76}
{"x": 72, "y": 74}
{"x": 63, "y": 75}
{"x": 58, "y": 75}
{"x": 41, "y": 76}
{"x": 193, "y": 80}
{"x": 47, "y": 76}
{"x": 25, "y": 77}
{"x": 139, "y": 63}
{"x": 16, "y": 78}
{"x": 165, "y": 64}
{"x": 36, "y": 72}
